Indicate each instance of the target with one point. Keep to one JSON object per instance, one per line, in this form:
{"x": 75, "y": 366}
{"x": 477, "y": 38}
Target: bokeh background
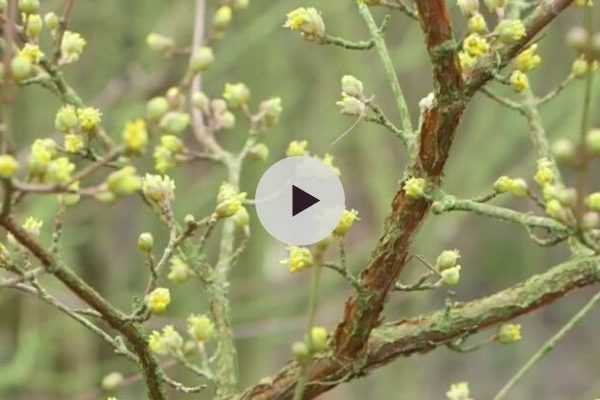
{"x": 44, "y": 355}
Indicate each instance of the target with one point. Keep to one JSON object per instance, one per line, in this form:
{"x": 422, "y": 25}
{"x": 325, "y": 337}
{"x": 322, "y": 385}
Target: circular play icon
{"x": 299, "y": 200}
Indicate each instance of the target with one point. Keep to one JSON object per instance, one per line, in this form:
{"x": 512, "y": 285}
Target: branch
{"x": 426, "y": 332}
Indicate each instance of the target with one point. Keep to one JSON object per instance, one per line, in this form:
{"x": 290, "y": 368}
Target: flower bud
{"x": 34, "y": 26}
{"x": 175, "y": 122}
{"x": 451, "y": 276}
{"x": 271, "y": 109}
{"x": 519, "y": 81}
{"x": 8, "y": 166}
{"x": 202, "y": 59}
{"x": 236, "y": 95}
{"x": 477, "y": 24}
{"x": 123, "y": 182}
{"x": 89, "y": 118}
{"x": 555, "y": 209}
{"x": 352, "y": 87}
{"x": 509, "y": 333}
{"x": 180, "y": 271}
{"x": 415, "y": 188}
{"x": 29, "y": 6}
{"x": 476, "y": 45}
{"x": 135, "y": 136}
{"x": 222, "y": 17}
{"x": 593, "y": 201}
{"x": 66, "y": 119}
{"x": 564, "y": 150}
{"x": 592, "y": 141}
{"x": 447, "y": 259}
{"x": 347, "y": 220}
{"x": 157, "y": 108}
{"x": 145, "y": 242}
{"x": 158, "y": 300}
{"x": 112, "y": 381}
{"x": 580, "y": 67}
{"x": 229, "y": 201}
{"x": 301, "y": 352}
{"x": 52, "y": 21}
{"x": 351, "y": 106}
{"x": 226, "y": 120}
{"x": 21, "y": 68}
{"x": 158, "y": 188}
{"x": 201, "y": 102}
{"x": 72, "y": 46}
{"x": 259, "y": 151}
{"x": 459, "y": 391}
{"x": 200, "y": 327}
{"x": 517, "y": 187}
{"x": 510, "y": 30}
{"x": 307, "y": 21}
{"x": 318, "y": 339}
{"x": 160, "y": 43}
{"x": 297, "y": 148}
{"x": 528, "y": 59}
{"x": 298, "y": 259}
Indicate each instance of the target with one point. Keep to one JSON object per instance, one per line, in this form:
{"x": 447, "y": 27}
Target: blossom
{"x": 347, "y": 220}
{"x": 158, "y": 300}
{"x": 415, "y": 188}
{"x": 298, "y": 259}
{"x": 308, "y": 21}
{"x": 297, "y": 148}
{"x": 135, "y": 136}
{"x": 89, "y": 118}
{"x": 158, "y": 188}
{"x": 8, "y": 166}
{"x": 509, "y": 333}
{"x": 200, "y": 327}
{"x": 72, "y": 46}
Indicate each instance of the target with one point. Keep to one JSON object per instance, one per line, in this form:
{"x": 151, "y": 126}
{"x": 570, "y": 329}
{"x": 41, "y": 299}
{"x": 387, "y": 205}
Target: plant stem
{"x": 226, "y": 375}
{"x": 407, "y": 128}
{"x": 548, "y": 346}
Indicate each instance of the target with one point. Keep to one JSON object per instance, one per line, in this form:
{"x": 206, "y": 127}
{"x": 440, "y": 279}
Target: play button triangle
{"x": 301, "y": 200}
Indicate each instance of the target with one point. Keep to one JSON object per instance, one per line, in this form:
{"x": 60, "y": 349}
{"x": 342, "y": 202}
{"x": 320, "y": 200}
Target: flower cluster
{"x": 308, "y": 22}
{"x": 298, "y": 259}
{"x": 448, "y": 267}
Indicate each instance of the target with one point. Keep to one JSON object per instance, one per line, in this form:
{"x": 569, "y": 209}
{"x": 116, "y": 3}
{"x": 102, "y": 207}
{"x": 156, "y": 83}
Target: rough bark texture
{"x": 355, "y": 347}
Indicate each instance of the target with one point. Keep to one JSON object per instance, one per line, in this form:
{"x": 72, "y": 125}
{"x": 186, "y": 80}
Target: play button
{"x": 299, "y": 200}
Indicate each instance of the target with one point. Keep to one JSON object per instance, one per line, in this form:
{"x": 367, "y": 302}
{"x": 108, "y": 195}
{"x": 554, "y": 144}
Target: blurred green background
{"x": 44, "y": 355}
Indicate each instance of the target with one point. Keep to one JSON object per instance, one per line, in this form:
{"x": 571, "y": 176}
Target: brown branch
{"x": 115, "y": 318}
{"x": 427, "y": 332}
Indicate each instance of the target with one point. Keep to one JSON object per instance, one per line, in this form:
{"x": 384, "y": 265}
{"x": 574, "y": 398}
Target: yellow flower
{"x": 517, "y": 187}
{"x": 66, "y": 118}
{"x": 528, "y": 60}
{"x": 8, "y": 166}
{"x": 229, "y": 201}
{"x": 169, "y": 341}
{"x": 349, "y": 217}
{"x": 33, "y": 226}
{"x": 60, "y": 170}
{"x": 459, "y": 391}
{"x": 135, "y": 136}
{"x": 200, "y": 327}
{"x": 415, "y": 187}
{"x": 477, "y": 24}
{"x": 519, "y": 81}
{"x": 236, "y": 95}
{"x": 510, "y": 30}
{"x": 451, "y": 276}
{"x": 318, "y": 339}
{"x": 74, "y": 143}
{"x": 298, "y": 258}
{"x": 42, "y": 152}
{"x": 124, "y": 181}
{"x": 32, "y": 53}
{"x": 297, "y": 148}
{"x": 308, "y": 21}
{"x": 179, "y": 272}
{"x": 509, "y": 333}
{"x": 466, "y": 61}
{"x": 89, "y": 118}
{"x": 545, "y": 172}
{"x": 72, "y": 46}
{"x": 476, "y": 45}
{"x": 158, "y": 300}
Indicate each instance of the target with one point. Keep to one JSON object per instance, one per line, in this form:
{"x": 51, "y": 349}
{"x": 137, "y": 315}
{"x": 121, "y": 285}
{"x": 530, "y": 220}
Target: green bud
{"x": 352, "y": 87}
{"x": 580, "y": 67}
{"x": 160, "y": 43}
{"x": 351, "y": 106}
{"x": 593, "y": 201}
{"x": 112, "y": 381}
{"x": 189, "y": 219}
{"x": 175, "y": 122}
{"x": 592, "y": 141}
{"x": 124, "y": 182}
{"x": 271, "y": 109}
{"x": 34, "y": 26}
{"x": 145, "y": 242}
{"x": 318, "y": 339}
{"x": 226, "y": 120}
{"x": 219, "y": 106}
{"x": 564, "y": 150}
{"x": 259, "y": 151}
{"x": 236, "y": 95}
{"x": 52, "y": 21}
{"x": 509, "y": 333}
{"x": 555, "y": 209}
{"x": 300, "y": 352}
{"x": 510, "y": 30}
{"x": 222, "y": 17}
{"x": 29, "y": 6}
{"x": 175, "y": 98}
{"x": 21, "y": 68}
{"x": 156, "y": 108}
{"x": 202, "y": 59}
{"x": 451, "y": 276}
{"x": 200, "y": 327}
{"x": 447, "y": 259}
{"x": 66, "y": 119}
{"x": 201, "y": 102}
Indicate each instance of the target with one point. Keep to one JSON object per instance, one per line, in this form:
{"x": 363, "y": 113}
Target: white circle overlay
{"x": 273, "y": 200}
